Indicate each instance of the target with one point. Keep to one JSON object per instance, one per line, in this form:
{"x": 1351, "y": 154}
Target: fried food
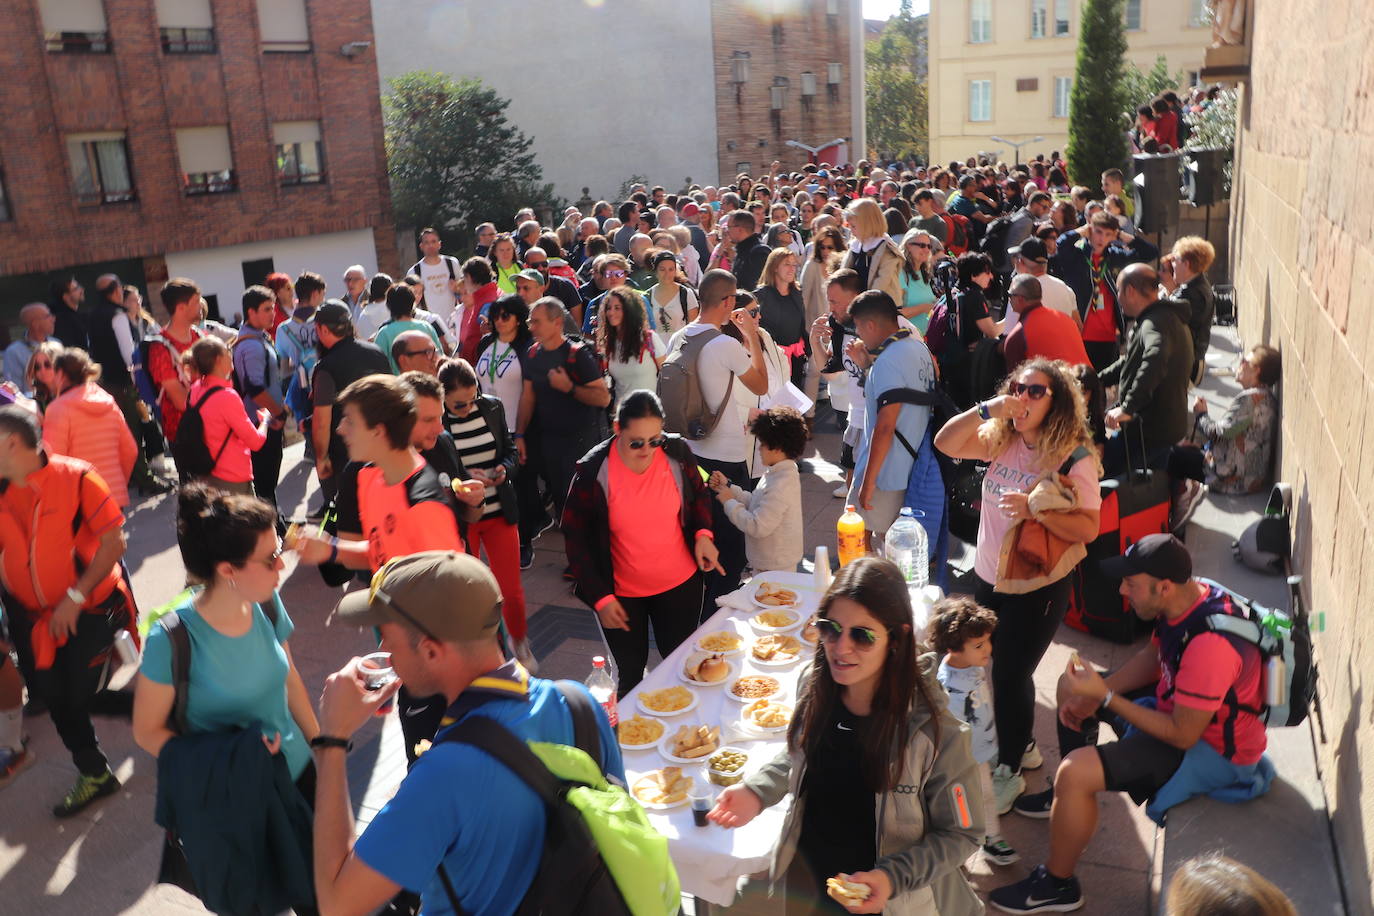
{"x": 775, "y": 595}
{"x": 755, "y": 685}
{"x": 662, "y": 787}
{"x": 776, "y": 619}
{"x": 708, "y": 669}
{"x": 669, "y": 699}
{"x": 776, "y": 648}
{"x": 693, "y": 741}
{"x": 723, "y": 641}
{"x": 848, "y": 893}
{"x": 292, "y": 536}
{"x": 767, "y": 714}
{"x": 638, "y": 730}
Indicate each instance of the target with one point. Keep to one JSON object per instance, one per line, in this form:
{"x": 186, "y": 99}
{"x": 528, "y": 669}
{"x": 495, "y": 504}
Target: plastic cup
{"x": 377, "y": 673}
{"x": 700, "y": 800}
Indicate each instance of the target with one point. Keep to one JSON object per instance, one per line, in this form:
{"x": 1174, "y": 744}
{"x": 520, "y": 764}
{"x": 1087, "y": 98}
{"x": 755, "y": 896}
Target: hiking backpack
{"x": 189, "y": 450}
{"x": 601, "y": 856}
{"x": 1265, "y": 544}
{"x": 958, "y": 233}
{"x": 679, "y": 388}
{"x": 994, "y": 242}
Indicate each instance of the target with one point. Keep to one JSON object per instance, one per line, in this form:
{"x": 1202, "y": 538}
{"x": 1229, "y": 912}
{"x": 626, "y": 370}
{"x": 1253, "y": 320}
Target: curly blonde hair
{"x": 1064, "y": 428}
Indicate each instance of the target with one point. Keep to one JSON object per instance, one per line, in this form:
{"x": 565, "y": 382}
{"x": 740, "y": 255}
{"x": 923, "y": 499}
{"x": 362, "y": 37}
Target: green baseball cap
{"x": 446, "y": 595}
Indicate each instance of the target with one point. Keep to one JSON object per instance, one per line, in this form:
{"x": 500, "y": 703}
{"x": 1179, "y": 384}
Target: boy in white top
{"x": 442, "y": 277}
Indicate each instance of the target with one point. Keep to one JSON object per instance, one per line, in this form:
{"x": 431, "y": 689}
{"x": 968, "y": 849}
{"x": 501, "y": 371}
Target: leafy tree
{"x": 1097, "y": 137}
{"x": 896, "y": 98}
{"x": 453, "y": 159}
{"x": 1140, "y": 88}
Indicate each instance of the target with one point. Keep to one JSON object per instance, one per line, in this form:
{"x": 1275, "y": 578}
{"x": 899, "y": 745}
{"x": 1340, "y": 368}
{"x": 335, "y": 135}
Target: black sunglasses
{"x": 462, "y": 405}
{"x": 430, "y": 352}
{"x": 831, "y": 631}
{"x": 1034, "y": 392}
{"x": 655, "y": 442}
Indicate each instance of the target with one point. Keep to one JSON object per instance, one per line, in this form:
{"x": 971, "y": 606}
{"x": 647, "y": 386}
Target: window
{"x": 980, "y": 21}
{"x": 1133, "y": 15}
{"x": 1198, "y": 14}
{"x": 1194, "y": 78}
{"x": 980, "y": 100}
{"x": 300, "y": 155}
{"x": 1039, "y": 14}
{"x": 74, "y": 26}
{"x": 206, "y": 161}
{"x": 283, "y": 25}
{"x": 1062, "y": 85}
{"x": 186, "y": 26}
{"x": 1061, "y": 17}
{"x": 100, "y": 168}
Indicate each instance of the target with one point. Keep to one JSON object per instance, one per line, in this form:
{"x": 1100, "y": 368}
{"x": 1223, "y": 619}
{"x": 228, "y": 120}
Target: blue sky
{"x": 886, "y": 9}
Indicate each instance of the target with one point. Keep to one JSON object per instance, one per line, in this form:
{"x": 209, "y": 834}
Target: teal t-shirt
{"x": 235, "y": 680}
{"x": 916, "y": 291}
{"x": 393, "y": 329}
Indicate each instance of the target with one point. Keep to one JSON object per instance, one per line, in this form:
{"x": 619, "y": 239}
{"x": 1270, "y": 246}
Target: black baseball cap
{"x": 1161, "y": 556}
{"x": 1032, "y": 249}
{"x": 334, "y": 314}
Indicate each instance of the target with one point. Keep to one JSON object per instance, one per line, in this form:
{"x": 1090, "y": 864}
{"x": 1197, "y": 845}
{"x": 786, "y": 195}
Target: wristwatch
{"x": 331, "y": 741}
{"x": 75, "y": 594}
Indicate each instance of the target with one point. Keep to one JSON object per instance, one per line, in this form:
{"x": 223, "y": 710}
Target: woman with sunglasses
{"x": 886, "y": 792}
{"x": 1036, "y": 424}
{"x": 503, "y": 262}
{"x": 40, "y": 376}
{"x": 633, "y": 352}
{"x": 637, "y": 528}
{"x": 918, "y": 294}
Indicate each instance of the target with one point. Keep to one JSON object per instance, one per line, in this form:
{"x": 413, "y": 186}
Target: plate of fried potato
{"x": 767, "y": 716}
{"x": 775, "y": 650}
{"x": 722, "y": 642}
{"x": 691, "y": 744}
{"x": 661, "y": 789}
{"x": 772, "y": 595}
{"x": 670, "y": 701}
{"x": 777, "y": 620}
{"x": 637, "y": 732}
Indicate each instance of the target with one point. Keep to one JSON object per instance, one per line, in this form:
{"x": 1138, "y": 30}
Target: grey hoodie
{"x": 926, "y": 828}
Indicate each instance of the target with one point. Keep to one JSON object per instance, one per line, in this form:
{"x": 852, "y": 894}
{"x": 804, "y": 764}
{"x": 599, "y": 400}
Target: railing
{"x": 78, "y": 43}
{"x": 198, "y": 183}
{"x": 101, "y": 197}
{"x": 294, "y": 179}
{"x": 188, "y": 41}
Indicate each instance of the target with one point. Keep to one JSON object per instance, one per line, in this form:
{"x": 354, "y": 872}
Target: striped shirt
{"x": 477, "y": 448}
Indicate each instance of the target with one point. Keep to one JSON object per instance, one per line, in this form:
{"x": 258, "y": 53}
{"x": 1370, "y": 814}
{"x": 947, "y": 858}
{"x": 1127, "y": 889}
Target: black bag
{"x": 572, "y": 878}
{"x": 189, "y": 450}
{"x": 966, "y": 500}
{"x": 1265, "y": 545}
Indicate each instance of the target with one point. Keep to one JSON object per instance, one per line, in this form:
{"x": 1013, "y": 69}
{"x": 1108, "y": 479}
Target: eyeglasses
{"x": 270, "y": 561}
{"x": 918, "y": 244}
{"x": 541, "y": 266}
{"x": 655, "y": 442}
{"x": 1034, "y": 392}
{"x": 864, "y": 638}
{"x": 38, "y": 365}
{"x": 615, "y": 274}
{"x": 429, "y": 352}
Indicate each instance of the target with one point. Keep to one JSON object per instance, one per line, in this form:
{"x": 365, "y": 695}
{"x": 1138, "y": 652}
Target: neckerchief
{"x": 509, "y": 682}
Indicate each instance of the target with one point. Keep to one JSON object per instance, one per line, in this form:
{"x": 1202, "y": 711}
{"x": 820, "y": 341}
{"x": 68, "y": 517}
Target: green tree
{"x": 1140, "y": 88}
{"x": 1097, "y": 137}
{"x": 896, "y": 98}
{"x": 453, "y": 159}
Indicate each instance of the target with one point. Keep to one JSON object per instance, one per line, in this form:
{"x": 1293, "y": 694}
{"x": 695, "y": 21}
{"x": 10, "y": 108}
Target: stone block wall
{"x": 1303, "y": 237}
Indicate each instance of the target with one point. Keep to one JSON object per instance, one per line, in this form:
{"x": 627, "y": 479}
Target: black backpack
{"x": 572, "y": 879}
{"x": 189, "y": 450}
{"x": 994, "y": 241}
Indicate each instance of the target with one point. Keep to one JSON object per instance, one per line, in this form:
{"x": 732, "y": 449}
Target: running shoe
{"x": 1036, "y": 805}
{"x": 1032, "y": 758}
{"x": 1006, "y": 786}
{"x": 999, "y": 852}
{"x": 87, "y": 791}
{"x": 1041, "y": 892}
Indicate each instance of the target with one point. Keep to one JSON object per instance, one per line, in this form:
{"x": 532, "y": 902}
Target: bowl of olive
{"x": 726, "y": 766}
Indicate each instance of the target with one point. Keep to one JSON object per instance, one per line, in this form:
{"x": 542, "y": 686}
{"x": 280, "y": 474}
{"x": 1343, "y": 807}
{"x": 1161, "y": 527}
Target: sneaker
{"x": 526, "y": 556}
{"x": 1032, "y": 758}
{"x": 1036, "y": 805}
{"x": 841, "y": 491}
{"x": 1186, "y": 503}
{"x": 1006, "y": 786}
{"x": 524, "y": 655}
{"x": 999, "y": 852}
{"x": 12, "y": 763}
{"x": 1038, "y": 893}
{"x": 87, "y": 791}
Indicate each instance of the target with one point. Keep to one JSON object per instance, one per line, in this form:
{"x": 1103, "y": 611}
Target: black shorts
{"x": 846, "y": 456}
{"x": 1138, "y": 765}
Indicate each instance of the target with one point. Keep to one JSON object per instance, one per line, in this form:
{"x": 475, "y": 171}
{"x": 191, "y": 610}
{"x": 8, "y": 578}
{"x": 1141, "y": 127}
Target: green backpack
{"x": 601, "y": 855}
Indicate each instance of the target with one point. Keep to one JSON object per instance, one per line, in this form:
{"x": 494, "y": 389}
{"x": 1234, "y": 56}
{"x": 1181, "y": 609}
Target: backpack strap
{"x": 586, "y": 734}
{"x": 1075, "y": 456}
{"x": 229, "y": 435}
{"x": 935, "y": 398}
{"x": 682, "y": 301}
{"x": 180, "y": 641}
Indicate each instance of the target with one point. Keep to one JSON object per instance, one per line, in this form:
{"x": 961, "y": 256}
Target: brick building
{"x": 216, "y": 139}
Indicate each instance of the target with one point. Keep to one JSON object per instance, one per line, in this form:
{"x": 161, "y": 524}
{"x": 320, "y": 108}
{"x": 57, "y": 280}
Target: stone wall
{"x": 1301, "y": 229}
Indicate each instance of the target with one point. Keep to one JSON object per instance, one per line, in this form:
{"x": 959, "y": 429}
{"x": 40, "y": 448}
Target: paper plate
{"x": 654, "y": 806}
{"x": 665, "y": 749}
{"x": 730, "y": 692}
{"x": 662, "y": 714}
{"x": 729, "y": 677}
{"x": 728, "y": 653}
{"x": 765, "y": 629}
{"x": 647, "y": 745}
{"x": 791, "y": 606}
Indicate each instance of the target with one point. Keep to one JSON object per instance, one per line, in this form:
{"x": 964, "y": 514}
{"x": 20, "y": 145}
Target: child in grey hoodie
{"x": 770, "y": 516}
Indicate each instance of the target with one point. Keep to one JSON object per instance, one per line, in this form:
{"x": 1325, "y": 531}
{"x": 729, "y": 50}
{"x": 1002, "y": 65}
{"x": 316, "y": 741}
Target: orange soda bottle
{"x": 849, "y": 535}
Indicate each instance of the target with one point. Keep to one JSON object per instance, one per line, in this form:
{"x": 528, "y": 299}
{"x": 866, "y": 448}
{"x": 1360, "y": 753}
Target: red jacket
{"x": 470, "y": 335}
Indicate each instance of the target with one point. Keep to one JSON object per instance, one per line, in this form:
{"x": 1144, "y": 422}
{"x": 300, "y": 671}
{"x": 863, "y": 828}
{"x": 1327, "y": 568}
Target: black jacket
{"x": 493, "y": 412}
{"x": 104, "y": 349}
{"x": 243, "y": 824}
{"x": 1196, "y": 294}
{"x": 1155, "y": 372}
{"x": 69, "y": 326}
{"x": 1072, "y": 263}
{"x": 750, "y": 256}
{"x": 347, "y": 361}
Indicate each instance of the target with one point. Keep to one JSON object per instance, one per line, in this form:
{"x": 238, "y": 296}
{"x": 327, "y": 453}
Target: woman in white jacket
{"x": 770, "y": 516}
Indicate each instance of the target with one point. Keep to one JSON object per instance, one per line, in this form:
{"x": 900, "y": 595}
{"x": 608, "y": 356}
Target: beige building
{"x": 1004, "y": 68}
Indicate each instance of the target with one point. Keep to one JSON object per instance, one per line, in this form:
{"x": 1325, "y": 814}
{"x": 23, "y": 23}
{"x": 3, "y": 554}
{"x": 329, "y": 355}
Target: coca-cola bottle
{"x": 602, "y": 685}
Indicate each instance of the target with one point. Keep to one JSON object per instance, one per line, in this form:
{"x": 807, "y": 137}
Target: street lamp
{"x": 1017, "y": 146}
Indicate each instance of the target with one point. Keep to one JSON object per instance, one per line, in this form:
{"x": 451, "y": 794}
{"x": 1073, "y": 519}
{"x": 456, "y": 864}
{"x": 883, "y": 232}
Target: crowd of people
{"x": 646, "y": 379}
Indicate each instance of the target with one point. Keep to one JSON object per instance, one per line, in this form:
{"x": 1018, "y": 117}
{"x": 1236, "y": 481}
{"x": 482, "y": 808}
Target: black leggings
{"x": 1026, "y": 625}
{"x": 674, "y": 614}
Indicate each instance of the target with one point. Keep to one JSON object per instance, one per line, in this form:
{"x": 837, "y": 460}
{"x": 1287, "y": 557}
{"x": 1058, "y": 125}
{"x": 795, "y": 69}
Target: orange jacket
{"x": 85, "y": 422}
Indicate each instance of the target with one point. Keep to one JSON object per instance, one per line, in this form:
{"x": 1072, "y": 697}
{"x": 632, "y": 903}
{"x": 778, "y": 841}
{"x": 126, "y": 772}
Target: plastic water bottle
{"x": 905, "y": 545}
{"x": 602, "y": 687}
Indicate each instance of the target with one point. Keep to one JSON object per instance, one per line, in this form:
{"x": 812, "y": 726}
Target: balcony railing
{"x": 188, "y": 41}
{"x": 199, "y": 183}
{"x": 79, "y": 42}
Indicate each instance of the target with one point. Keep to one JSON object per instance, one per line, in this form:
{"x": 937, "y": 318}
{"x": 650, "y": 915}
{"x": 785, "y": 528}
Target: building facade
{"x": 1006, "y": 68}
{"x": 617, "y": 88}
{"x": 217, "y": 139}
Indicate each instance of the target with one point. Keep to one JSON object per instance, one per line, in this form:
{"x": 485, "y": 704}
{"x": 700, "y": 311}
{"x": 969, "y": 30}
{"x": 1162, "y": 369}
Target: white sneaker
{"x": 1006, "y": 787}
{"x": 524, "y": 655}
{"x": 1032, "y": 758}
{"x": 842, "y": 490}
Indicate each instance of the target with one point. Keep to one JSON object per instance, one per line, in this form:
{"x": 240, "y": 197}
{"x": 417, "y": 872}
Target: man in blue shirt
{"x": 259, "y": 382}
{"x": 38, "y": 327}
{"x": 899, "y": 359}
{"x": 438, "y": 613}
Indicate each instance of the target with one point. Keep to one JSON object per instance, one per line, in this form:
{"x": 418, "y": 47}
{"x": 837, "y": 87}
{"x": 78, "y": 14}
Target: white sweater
{"x": 770, "y": 518}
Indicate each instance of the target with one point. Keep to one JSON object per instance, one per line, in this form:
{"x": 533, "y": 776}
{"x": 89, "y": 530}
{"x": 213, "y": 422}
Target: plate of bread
{"x": 691, "y": 744}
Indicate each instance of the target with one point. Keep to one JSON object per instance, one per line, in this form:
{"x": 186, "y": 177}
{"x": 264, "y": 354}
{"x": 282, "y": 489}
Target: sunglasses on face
{"x": 42, "y": 365}
{"x": 655, "y": 442}
{"x": 615, "y": 274}
{"x": 1034, "y": 392}
{"x": 863, "y": 637}
{"x": 541, "y": 266}
{"x": 918, "y": 244}
{"x": 456, "y": 406}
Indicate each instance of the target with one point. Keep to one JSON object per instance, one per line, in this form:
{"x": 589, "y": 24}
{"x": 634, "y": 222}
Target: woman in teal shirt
{"x": 241, "y": 669}
{"x": 918, "y": 296}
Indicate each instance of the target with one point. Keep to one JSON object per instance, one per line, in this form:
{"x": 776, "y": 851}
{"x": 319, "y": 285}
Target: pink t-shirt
{"x": 648, "y": 552}
{"x": 1016, "y": 470}
{"x": 228, "y": 428}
